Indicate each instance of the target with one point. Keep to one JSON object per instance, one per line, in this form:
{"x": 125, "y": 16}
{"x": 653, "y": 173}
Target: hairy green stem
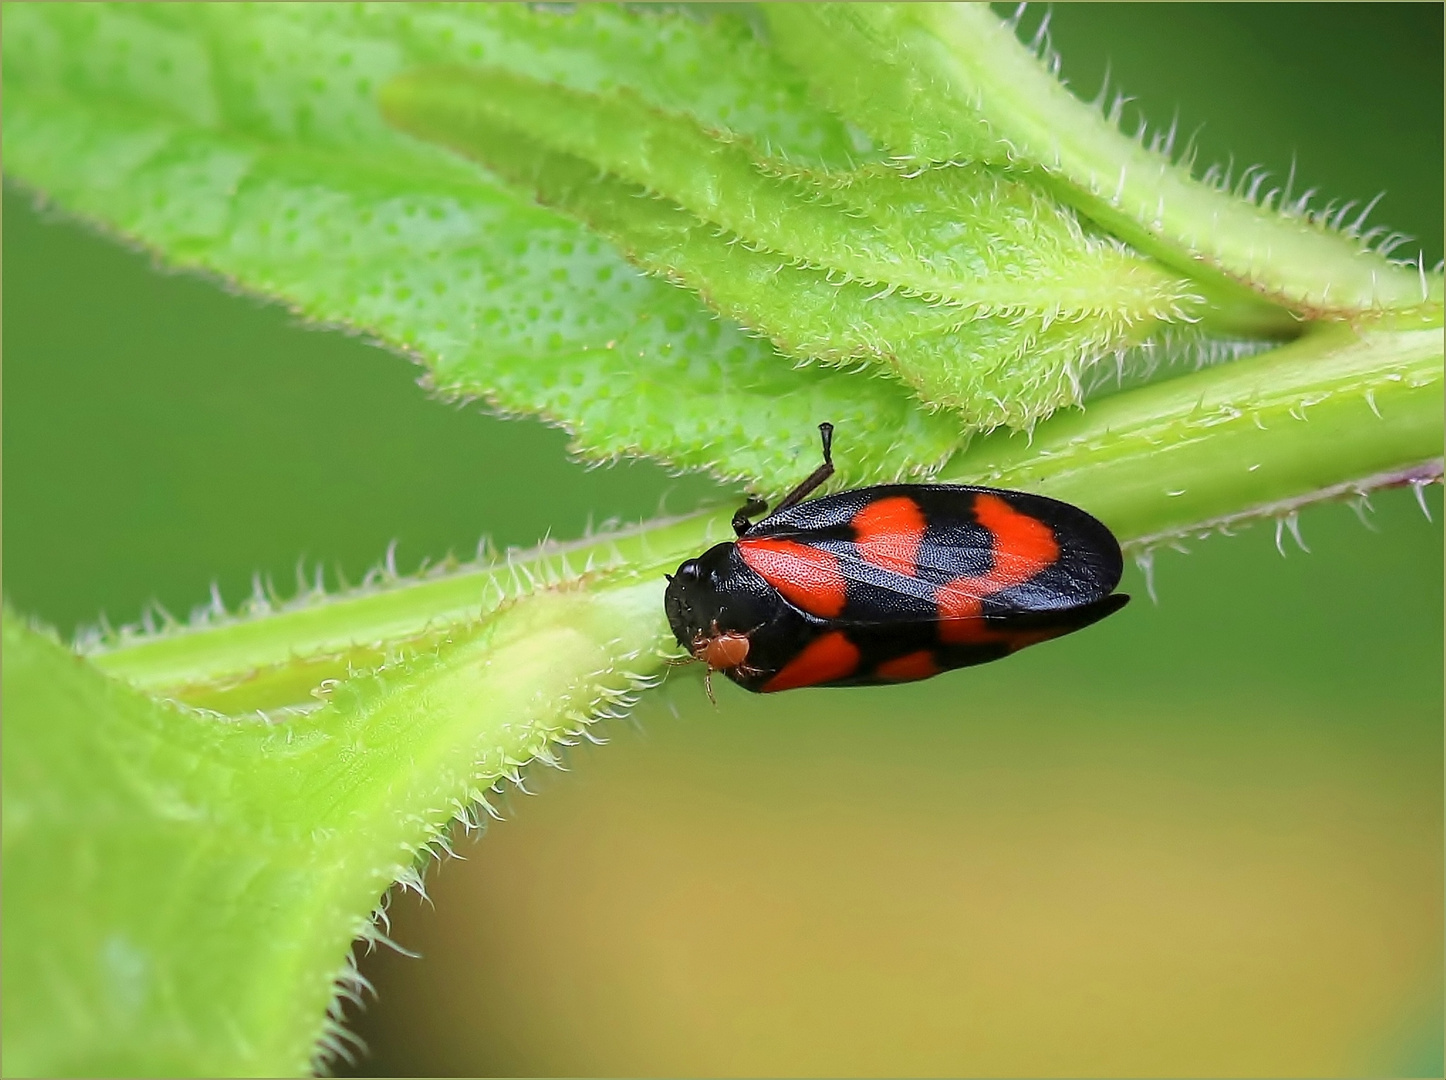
{"x": 277, "y": 660}
{"x": 1333, "y": 413}
{"x": 1242, "y": 440}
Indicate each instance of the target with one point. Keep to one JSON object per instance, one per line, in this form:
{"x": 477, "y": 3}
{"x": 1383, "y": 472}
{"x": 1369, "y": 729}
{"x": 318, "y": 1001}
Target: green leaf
{"x": 974, "y": 288}
{"x": 946, "y": 81}
{"x": 187, "y": 888}
{"x": 247, "y": 142}
{"x": 971, "y": 236}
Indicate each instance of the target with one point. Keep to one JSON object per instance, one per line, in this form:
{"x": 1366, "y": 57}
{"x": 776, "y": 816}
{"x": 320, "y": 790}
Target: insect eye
{"x": 690, "y": 570}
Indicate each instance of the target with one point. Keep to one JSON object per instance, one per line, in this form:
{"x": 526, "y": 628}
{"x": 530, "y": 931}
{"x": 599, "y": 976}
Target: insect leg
{"x": 742, "y": 519}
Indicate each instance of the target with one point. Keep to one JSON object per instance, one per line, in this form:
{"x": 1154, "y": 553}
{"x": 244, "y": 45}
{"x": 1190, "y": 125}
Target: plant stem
{"x": 1333, "y": 413}
{"x": 1248, "y": 439}
{"x": 276, "y": 660}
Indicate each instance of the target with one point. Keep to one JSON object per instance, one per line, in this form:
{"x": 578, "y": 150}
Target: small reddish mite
{"x": 889, "y": 584}
{"x": 722, "y": 652}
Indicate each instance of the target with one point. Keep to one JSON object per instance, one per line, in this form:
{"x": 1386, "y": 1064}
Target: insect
{"x": 889, "y": 584}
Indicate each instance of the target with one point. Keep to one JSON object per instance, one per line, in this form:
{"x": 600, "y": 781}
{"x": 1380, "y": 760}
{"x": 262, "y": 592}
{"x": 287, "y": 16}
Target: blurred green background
{"x": 1203, "y": 838}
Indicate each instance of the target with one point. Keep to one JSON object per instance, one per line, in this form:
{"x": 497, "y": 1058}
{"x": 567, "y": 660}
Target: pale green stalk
{"x": 1335, "y": 414}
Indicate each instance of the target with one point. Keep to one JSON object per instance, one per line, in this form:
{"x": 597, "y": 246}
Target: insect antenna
{"x": 817, "y": 478}
{"x": 742, "y": 520}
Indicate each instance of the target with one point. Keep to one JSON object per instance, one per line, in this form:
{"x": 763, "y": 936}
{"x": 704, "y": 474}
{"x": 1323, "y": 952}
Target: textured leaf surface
{"x": 247, "y": 142}
{"x": 974, "y": 288}
{"x": 970, "y": 235}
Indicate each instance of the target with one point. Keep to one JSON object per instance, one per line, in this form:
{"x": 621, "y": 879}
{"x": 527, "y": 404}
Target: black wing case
{"x": 895, "y": 546}
{"x": 925, "y": 578}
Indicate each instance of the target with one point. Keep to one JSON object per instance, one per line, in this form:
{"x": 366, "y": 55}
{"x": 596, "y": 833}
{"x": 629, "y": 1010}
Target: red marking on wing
{"x": 980, "y": 632}
{"x": 888, "y": 533}
{"x": 1019, "y": 639}
{"x": 808, "y": 577}
{"x": 906, "y": 668}
{"x": 961, "y": 600}
{"x": 832, "y": 656}
{"x": 966, "y": 630}
{"x": 1023, "y": 546}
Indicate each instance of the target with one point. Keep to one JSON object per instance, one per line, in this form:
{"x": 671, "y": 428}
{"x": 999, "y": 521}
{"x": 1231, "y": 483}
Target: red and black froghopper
{"x": 890, "y": 584}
